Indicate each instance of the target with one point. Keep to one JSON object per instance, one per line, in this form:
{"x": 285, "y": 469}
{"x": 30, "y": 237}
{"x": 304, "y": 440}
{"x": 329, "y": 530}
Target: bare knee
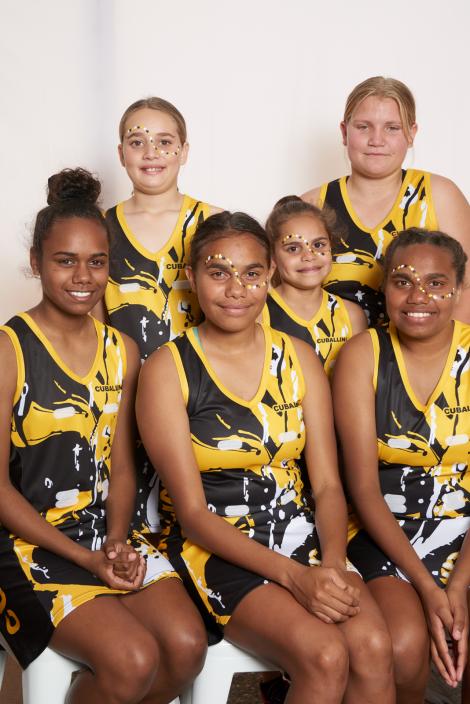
{"x": 185, "y": 650}
{"x": 370, "y": 653}
{"x": 410, "y": 655}
{"x": 324, "y": 660}
{"x": 128, "y": 674}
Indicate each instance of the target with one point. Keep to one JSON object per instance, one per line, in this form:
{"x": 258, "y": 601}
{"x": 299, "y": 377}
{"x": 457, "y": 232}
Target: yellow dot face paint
{"x": 161, "y": 148}
{"x": 310, "y": 246}
{"x": 241, "y": 279}
{"x": 424, "y": 287}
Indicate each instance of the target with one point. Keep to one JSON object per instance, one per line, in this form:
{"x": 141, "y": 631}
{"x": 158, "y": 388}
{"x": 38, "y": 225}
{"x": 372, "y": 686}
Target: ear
{"x": 34, "y": 262}
{"x": 191, "y": 278}
{"x": 412, "y": 135}
{"x": 183, "y": 155}
{"x": 344, "y": 132}
{"x": 272, "y": 269}
{"x": 121, "y": 155}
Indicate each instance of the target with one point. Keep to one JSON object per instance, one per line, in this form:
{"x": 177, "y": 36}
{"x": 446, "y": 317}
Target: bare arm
{"x": 354, "y": 404}
{"x": 453, "y": 217}
{"x": 16, "y": 513}
{"x": 164, "y": 409}
{"x": 312, "y": 196}
{"x": 321, "y": 459}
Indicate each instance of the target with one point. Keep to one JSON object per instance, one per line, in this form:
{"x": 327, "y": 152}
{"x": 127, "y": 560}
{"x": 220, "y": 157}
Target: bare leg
{"x": 270, "y": 623}
{"x": 403, "y": 613}
{"x": 118, "y": 639}
{"x": 370, "y": 652}
{"x": 170, "y": 615}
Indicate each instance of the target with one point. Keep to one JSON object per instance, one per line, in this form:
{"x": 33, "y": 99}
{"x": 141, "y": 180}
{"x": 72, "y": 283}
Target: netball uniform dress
{"x": 326, "y": 332}
{"x": 423, "y": 453}
{"x": 356, "y": 273}
{"x": 60, "y": 461}
{"x": 150, "y": 299}
{"x": 247, "y": 453}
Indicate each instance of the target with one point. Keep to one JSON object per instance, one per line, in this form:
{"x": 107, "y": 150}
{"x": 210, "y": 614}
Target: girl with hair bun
{"x": 380, "y": 198}
{"x": 67, "y": 480}
{"x": 303, "y": 239}
{"x": 148, "y": 295}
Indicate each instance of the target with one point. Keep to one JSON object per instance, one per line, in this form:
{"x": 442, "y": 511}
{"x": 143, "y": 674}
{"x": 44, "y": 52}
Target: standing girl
{"x": 303, "y": 237}
{"x": 148, "y": 295}
{"x": 241, "y": 400}
{"x": 67, "y": 481}
{"x": 380, "y": 198}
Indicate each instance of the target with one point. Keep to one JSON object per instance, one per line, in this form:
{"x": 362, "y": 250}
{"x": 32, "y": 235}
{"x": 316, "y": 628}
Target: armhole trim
{"x": 376, "y": 351}
{"x": 431, "y": 223}
{"x": 20, "y": 370}
{"x": 180, "y": 369}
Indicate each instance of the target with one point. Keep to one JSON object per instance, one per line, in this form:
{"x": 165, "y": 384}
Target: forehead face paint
{"x": 423, "y": 287}
{"x": 161, "y": 151}
{"x": 238, "y": 277}
{"x": 309, "y": 245}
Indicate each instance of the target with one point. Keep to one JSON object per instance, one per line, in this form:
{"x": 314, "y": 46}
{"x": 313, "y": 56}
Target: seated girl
{"x": 67, "y": 481}
{"x": 235, "y": 403}
{"x": 402, "y": 402}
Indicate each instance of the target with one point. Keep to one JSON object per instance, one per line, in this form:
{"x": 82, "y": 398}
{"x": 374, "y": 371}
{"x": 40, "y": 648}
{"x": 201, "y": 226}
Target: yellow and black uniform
{"x": 326, "y": 332}
{"x": 247, "y": 453}
{"x": 148, "y": 295}
{"x": 423, "y": 453}
{"x": 356, "y": 273}
{"x": 60, "y": 460}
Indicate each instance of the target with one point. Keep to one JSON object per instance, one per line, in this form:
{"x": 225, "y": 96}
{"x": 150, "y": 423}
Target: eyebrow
{"x": 74, "y": 254}
{"x": 220, "y": 264}
{"x": 410, "y": 275}
{"x": 142, "y": 132}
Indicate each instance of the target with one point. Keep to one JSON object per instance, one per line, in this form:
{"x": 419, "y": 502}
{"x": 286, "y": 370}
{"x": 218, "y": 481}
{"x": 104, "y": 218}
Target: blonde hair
{"x": 382, "y": 87}
{"x": 155, "y": 103}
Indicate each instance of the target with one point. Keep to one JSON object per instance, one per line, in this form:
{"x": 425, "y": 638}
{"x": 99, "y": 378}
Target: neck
{"x": 230, "y": 344}
{"x": 300, "y": 299}
{"x": 55, "y": 322}
{"x": 427, "y": 349}
{"x": 366, "y": 186}
{"x": 155, "y": 202}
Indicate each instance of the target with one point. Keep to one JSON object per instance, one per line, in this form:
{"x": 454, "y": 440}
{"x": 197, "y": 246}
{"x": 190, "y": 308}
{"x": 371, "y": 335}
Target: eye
{"x": 320, "y": 244}
{"x": 136, "y": 143}
{"x": 218, "y": 275}
{"x": 292, "y": 248}
{"x": 401, "y": 283}
{"x": 361, "y": 127}
{"x": 394, "y": 128}
{"x": 65, "y": 261}
{"x": 436, "y": 283}
{"x": 97, "y": 263}
{"x": 252, "y": 275}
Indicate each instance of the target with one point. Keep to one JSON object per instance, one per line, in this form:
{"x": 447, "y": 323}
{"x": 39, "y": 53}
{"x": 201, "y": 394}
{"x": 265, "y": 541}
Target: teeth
{"x": 80, "y": 294}
{"x": 418, "y": 315}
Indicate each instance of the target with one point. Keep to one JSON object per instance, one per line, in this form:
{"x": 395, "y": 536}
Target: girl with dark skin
{"x": 401, "y": 399}
{"x": 314, "y": 620}
{"x": 68, "y": 529}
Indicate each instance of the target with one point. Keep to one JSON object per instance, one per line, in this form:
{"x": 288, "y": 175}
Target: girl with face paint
{"x": 402, "y": 404}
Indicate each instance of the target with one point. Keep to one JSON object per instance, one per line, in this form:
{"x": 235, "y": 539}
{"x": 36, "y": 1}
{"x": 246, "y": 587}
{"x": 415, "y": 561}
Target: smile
{"x": 80, "y": 294}
{"x": 415, "y": 314}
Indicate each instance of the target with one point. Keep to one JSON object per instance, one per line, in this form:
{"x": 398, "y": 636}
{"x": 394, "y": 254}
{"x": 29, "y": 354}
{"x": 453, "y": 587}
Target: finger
{"x": 440, "y": 667}
{"x": 343, "y": 595}
{"x": 439, "y": 638}
{"x": 460, "y": 618}
{"x": 461, "y": 653}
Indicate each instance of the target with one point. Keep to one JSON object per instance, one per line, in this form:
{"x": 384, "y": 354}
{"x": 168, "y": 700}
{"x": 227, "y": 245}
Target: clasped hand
{"x": 325, "y": 592}
{"x": 118, "y": 565}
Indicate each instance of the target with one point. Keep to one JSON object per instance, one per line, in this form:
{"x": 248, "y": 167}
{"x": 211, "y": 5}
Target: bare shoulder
{"x": 213, "y": 209}
{"x": 356, "y": 315}
{"x": 312, "y": 196}
{"x": 357, "y": 353}
{"x": 8, "y": 377}
{"x": 441, "y": 185}
{"x": 159, "y": 366}
{"x": 452, "y": 209}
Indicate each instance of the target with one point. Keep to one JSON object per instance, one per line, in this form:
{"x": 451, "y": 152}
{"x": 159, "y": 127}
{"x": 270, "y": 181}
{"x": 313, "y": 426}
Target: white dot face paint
{"x": 429, "y": 288}
{"x": 316, "y": 247}
{"x": 244, "y": 280}
{"x": 162, "y": 145}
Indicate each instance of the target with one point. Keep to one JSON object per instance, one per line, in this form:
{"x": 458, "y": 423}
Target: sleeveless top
{"x": 423, "y": 449}
{"x": 63, "y": 427}
{"x": 356, "y": 273}
{"x": 326, "y": 332}
{"x": 148, "y": 295}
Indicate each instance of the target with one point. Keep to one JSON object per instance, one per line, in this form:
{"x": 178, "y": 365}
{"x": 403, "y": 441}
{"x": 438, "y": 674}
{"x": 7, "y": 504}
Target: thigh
{"x": 166, "y": 610}
{"x": 369, "y": 622}
{"x": 271, "y": 624}
{"x": 102, "y": 632}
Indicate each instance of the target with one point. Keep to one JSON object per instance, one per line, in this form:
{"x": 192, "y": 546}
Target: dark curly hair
{"x": 72, "y": 193}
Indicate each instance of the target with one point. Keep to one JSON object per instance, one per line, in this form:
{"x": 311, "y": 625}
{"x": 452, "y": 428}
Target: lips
{"x": 418, "y": 315}
{"x": 80, "y": 295}
{"x": 152, "y": 170}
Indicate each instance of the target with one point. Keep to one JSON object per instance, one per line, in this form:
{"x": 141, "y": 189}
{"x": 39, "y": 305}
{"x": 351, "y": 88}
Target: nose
{"x": 376, "y": 137}
{"x": 234, "y": 288}
{"x": 149, "y": 151}
{"x": 81, "y": 273}
{"x": 307, "y": 254}
{"x": 417, "y": 294}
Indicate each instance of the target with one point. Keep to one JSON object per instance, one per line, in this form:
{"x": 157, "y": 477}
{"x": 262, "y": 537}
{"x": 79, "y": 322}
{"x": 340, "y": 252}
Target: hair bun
{"x": 73, "y": 184}
{"x": 287, "y": 199}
